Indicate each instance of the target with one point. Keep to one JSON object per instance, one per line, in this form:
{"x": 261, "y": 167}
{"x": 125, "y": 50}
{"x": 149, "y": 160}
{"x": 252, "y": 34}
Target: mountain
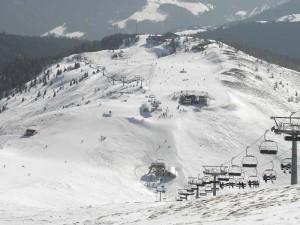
{"x": 279, "y": 38}
{"x": 95, "y": 19}
{"x": 103, "y": 121}
{"x": 280, "y": 13}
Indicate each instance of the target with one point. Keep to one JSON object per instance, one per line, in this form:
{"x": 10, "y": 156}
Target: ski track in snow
{"x": 85, "y": 165}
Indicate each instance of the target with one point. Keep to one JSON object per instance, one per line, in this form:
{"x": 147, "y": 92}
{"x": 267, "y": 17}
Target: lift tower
{"x": 291, "y": 127}
{"x": 215, "y": 171}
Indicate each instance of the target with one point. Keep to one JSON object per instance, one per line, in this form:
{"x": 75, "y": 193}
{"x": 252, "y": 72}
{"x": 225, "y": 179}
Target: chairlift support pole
{"x": 160, "y": 189}
{"x": 215, "y": 185}
{"x": 292, "y": 130}
{"x": 214, "y": 171}
{"x": 294, "y": 175}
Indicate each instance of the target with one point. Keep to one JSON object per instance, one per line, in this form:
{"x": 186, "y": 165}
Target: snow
{"x": 152, "y": 12}
{"x": 241, "y": 13}
{"x": 190, "y": 31}
{"x": 85, "y": 167}
{"x": 60, "y": 31}
{"x": 262, "y": 21}
{"x": 289, "y": 18}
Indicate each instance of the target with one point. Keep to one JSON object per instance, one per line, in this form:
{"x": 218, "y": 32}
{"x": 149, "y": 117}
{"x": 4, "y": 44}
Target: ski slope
{"x": 94, "y": 142}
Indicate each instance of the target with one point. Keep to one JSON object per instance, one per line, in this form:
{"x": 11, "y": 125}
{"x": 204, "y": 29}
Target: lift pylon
{"x": 289, "y": 126}
{"x": 215, "y": 171}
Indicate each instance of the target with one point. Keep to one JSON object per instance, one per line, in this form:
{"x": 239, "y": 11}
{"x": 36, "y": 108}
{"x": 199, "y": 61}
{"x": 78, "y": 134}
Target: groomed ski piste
{"x": 95, "y": 143}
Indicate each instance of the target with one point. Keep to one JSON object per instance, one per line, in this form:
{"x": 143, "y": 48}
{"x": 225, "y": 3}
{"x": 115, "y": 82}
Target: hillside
{"x": 279, "y": 38}
{"x": 95, "y": 143}
{"x": 13, "y": 46}
{"x": 286, "y": 9}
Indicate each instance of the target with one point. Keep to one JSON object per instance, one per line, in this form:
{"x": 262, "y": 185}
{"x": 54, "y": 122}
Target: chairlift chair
{"x": 179, "y": 199}
{"x": 249, "y": 161}
{"x": 254, "y": 177}
{"x": 268, "y": 146}
{"x": 202, "y": 192}
{"x": 231, "y": 183}
{"x": 270, "y": 174}
{"x": 205, "y": 180}
{"x": 234, "y": 170}
{"x": 223, "y": 178}
{"x": 286, "y": 164}
{"x": 208, "y": 189}
{"x": 240, "y": 181}
{"x": 195, "y": 181}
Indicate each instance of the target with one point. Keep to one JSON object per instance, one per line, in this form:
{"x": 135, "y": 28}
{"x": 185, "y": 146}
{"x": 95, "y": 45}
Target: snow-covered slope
{"x": 94, "y": 142}
{"x": 289, "y": 18}
{"x": 268, "y": 206}
{"x": 151, "y": 10}
{"x": 60, "y": 31}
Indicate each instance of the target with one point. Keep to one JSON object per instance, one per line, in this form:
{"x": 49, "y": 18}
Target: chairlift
{"x": 195, "y": 181}
{"x": 203, "y": 192}
{"x": 286, "y": 164}
{"x": 223, "y": 177}
{"x": 234, "y": 170}
{"x": 231, "y": 183}
{"x": 268, "y": 146}
{"x": 179, "y": 199}
{"x": 205, "y": 180}
{"x": 270, "y": 174}
{"x": 190, "y": 188}
{"x": 249, "y": 161}
{"x": 208, "y": 189}
{"x": 253, "y": 177}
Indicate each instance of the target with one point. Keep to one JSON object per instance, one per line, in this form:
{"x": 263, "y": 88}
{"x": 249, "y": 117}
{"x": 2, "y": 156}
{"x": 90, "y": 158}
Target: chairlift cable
{"x": 273, "y": 159}
{"x": 245, "y": 149}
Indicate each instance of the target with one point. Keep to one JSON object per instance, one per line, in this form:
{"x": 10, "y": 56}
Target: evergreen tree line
{"x": 13, "y": 46}
{"x": 15, "y": 74}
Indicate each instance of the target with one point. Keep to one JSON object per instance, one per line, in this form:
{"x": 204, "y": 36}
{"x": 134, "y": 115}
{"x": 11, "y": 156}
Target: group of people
{"x": 253, "y": 184}
{"x": 270, "y": 177}
{"x": 240, "y": 184}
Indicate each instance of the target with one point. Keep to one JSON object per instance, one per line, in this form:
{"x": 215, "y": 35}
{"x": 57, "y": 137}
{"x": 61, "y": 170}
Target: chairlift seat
{"x": 234, "y": 170}
{"x": 270, "y": 174}
{"x": 286, "y": 164}
{"x": 249, "y": 161}
{"x": 235, "y": 174}
{"x": 249, "y": 165}
{"x": 268, "y": 151}
{"x": 268, "y": 147}
{"x": 223, "y": 178}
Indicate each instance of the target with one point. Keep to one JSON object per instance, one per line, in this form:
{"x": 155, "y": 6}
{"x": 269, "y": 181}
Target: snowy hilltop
{"x": 94, "y": 123}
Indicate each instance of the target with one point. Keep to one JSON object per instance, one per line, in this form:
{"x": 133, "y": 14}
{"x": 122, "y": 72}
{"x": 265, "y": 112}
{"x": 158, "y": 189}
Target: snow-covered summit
{"x": 95, "y": 143}
{"x": 61, "y": 31}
